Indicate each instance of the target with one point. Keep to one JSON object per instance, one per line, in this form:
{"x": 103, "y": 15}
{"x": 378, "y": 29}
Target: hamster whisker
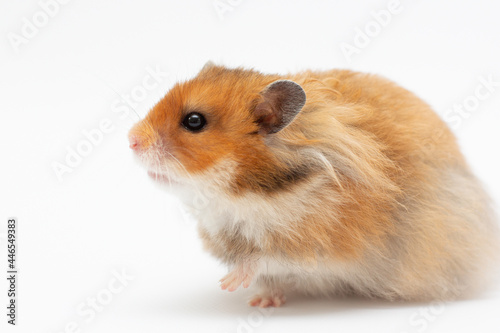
{"x": 180, "y": 164}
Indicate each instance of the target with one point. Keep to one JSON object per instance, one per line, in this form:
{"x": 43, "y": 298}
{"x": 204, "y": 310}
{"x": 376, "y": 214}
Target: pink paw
{"x": 241, "y": 275}
{"x": 268, "y": 300}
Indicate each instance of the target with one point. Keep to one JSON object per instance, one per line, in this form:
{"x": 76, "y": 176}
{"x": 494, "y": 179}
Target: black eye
{"x": 194, "y": 122}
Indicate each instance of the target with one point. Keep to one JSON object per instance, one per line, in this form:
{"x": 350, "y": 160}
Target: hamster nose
{"x": 134, "y": 142}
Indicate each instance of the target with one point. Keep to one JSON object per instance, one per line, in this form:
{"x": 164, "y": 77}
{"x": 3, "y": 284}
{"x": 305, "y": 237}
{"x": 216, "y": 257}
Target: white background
{"x": 107, "y": 216}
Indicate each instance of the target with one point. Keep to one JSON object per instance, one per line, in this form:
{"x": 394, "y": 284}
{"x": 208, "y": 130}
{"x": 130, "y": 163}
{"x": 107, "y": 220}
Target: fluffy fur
{"x": 365, "y": 191}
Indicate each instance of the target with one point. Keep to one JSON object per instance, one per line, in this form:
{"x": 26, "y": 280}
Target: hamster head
{"x": 215, "y": 126}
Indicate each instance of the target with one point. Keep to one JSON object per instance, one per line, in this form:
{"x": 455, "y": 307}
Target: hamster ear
{"x": 209, "y": 64}
{"x": 281, "y": 101}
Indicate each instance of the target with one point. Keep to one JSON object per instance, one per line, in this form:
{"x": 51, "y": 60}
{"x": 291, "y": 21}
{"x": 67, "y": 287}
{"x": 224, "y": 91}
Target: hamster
{"x": 322, "y": 183}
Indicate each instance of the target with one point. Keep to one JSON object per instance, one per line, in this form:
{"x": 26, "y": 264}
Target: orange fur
{"x": 383, "y": 211}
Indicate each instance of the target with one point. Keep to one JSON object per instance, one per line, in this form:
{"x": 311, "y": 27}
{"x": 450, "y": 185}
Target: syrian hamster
{"x": 325, "y": 183}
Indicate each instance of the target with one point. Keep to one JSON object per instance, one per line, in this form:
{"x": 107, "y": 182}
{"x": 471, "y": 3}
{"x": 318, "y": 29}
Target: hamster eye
{"x": 194, "y": 122}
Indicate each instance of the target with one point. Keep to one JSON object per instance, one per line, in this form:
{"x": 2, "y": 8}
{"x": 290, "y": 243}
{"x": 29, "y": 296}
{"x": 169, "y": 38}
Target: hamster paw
{"x": 241, "y": 275}
{"x": 265, "y": 301}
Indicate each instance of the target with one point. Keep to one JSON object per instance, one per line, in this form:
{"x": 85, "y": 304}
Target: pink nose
{"x": 134, "y": 142}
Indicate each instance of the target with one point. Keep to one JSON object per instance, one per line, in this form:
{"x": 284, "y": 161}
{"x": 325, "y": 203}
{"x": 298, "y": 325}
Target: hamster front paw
{"x": 242, "y": 274}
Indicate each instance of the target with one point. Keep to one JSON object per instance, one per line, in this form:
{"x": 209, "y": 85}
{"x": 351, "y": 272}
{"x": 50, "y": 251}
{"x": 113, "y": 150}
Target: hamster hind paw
{"x": 268, "y": 300}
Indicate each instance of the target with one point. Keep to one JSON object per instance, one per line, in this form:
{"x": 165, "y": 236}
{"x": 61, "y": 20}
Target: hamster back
{"x": 321, "y": 182}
